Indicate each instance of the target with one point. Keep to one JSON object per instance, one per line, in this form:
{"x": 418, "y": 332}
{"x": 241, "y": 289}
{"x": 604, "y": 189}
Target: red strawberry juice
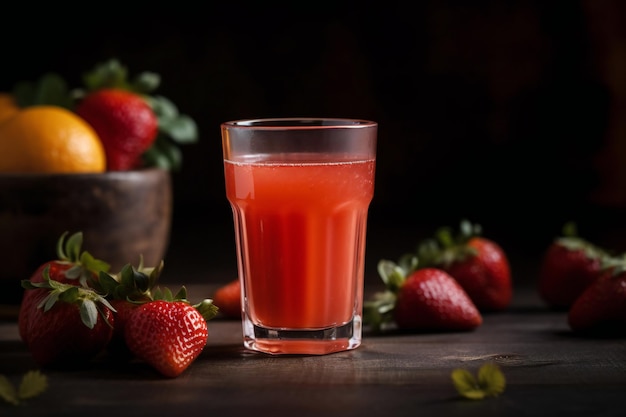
{"x": 301, "y": 237}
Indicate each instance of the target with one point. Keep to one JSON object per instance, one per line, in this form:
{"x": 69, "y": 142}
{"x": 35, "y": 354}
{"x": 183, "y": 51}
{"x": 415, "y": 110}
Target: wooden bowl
{"x": 123, "y": 215}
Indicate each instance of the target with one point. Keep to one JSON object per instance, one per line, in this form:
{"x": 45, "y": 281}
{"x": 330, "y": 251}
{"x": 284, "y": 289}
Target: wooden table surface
{"x": 549, "y": 372}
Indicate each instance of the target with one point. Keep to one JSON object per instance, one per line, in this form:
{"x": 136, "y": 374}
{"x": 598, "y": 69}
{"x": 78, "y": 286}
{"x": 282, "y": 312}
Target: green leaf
{"x": 385, "y": 269}
{"x": 167, "y": 294}
{"x": 181, "y": 294}
{"x": 570, "y": 229}
{"x": 146, "y": 82}
{"x": 61, "y": 246}
{"x": 163, "y": 154}
{"x": 108, "y": 284}
{"x": 74, "y": 272}
{"x": 49, "y": 301}
{"x": 141, "y": 280}
{"x": 181, "y": 129}
{"x": 207, "y": 309}
{"x": 378, "y": 311}
{"x": 490, "y": 382}
{"x": 33, "y": 383}
{"x": 164, "y": 108}
{"x": 73, "y": 246}
{"x": 24, "y": 93}
{"x": 88, "y": 313}
{"x": 52, "y": 89}
{"x": 106, "y": 74}
{"x": 408, "y": 263}
{"x": 7, "y": 391}
{"x": 491, "y": 379}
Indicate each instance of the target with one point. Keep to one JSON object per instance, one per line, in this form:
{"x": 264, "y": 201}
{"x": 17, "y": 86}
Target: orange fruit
{"x": 8, "y": 106}
{"x": 49, "y": 139}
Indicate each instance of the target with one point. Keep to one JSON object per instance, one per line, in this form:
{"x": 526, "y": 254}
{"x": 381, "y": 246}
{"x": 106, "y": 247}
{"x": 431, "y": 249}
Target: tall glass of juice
{"x": 300, "y": 190}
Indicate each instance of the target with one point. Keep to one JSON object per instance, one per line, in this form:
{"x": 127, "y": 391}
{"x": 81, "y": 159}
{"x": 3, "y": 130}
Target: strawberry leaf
{"x": 33, "y": 383}
{"x": 7, "y": 391}
{"x": 491, "y": 379}
{"x": 106, "y": 74}
{"x": 74, "y": 272}
{"x": 109, "y": 285}
{"x": 181, "y": 294}
{"x": 163, "y": 154}
{"x": 88, "y": 313}
{"x": 73, "y": 246}
{"x": 90, "y": 263}
{"x": 378, "y": 310}
{"x": 50, "y": 89}
{"x": 490, "y": 382}
{"x": 392, "y": 274}
{"x": 179, "y": 127}
{"x": 49, "y": 301}
{"x": 164, "y": 108}
{"x": 207, "y": 309}
{"x": 466, "y": 384}
{"x": 182, "y": 129}
{"x": 146, "y": 82}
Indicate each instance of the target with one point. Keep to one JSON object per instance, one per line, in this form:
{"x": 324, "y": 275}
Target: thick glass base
{"x": 302, "y": 342}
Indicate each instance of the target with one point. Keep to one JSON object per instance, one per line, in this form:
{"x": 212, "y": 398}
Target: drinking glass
{"x": 300, "y": 190}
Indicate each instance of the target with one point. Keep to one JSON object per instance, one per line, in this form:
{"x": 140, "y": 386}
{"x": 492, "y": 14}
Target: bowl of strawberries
{"x": 95, "y": 160}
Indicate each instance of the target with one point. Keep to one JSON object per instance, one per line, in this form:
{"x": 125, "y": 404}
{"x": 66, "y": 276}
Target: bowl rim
{"x": 113, "y": 175}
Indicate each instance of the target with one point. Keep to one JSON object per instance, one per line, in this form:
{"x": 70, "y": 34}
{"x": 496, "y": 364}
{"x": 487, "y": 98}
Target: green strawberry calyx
{"x": 134, "y": 284}
{"x": 87, "y": 299}
{"x": 140, "y": 285}
{"x": 378, "y": 311}
{"x": 83, "y": 264}
{"x": 615, "y": 264}
{"x": 448, "y": 246}
{"x": 571, "y": 240}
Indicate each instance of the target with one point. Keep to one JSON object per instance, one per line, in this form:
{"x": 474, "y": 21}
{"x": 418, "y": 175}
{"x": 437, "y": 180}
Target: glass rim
{"x": 299, "y": 123}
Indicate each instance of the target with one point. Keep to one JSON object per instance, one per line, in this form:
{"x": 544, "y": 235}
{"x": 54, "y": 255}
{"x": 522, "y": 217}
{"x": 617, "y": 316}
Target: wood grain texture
{"x": 549, "y": 371}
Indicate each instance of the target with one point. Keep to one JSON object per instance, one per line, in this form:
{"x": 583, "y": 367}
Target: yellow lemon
{"x": 49, "y": 139}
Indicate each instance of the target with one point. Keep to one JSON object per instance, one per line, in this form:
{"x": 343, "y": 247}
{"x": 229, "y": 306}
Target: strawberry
{"x": 431, "y": 299}
{"x": 569, "y": 265}
{"x": 72, "y": 266}
{"x": 124, "y": 122}
{"x": 601, "y": 307}
{"x": 125, "y": 291}
{"x": 228, "y": 299}
{"x": 63, "y": 323}
{"x": 426, "y": 299}
{"x": 479, "y": 264}
{"x": 168, "y": 335}
{"x": 143, "y": 308}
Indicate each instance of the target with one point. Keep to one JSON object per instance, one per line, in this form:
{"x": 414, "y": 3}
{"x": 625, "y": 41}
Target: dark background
{"x": 508, "y": 113}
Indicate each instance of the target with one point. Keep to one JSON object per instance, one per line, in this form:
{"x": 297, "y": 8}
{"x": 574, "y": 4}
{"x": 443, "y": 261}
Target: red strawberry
{"x": 63, "y": 323}
{"x": 569, "y": 265}
{"x": 601, "y": 308}
{"x": 127, "y": 290}
{"x": 431, "y": 299}
{"x": 427, "y": 299}
{"x": 479, "y": 265}
{"x": 125, "y": 123}
{"x": 228, "y": 299}
{"x": 169, "y": 336}
{"x": 71, "y": 267}
{"x": 123, "y": 310}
